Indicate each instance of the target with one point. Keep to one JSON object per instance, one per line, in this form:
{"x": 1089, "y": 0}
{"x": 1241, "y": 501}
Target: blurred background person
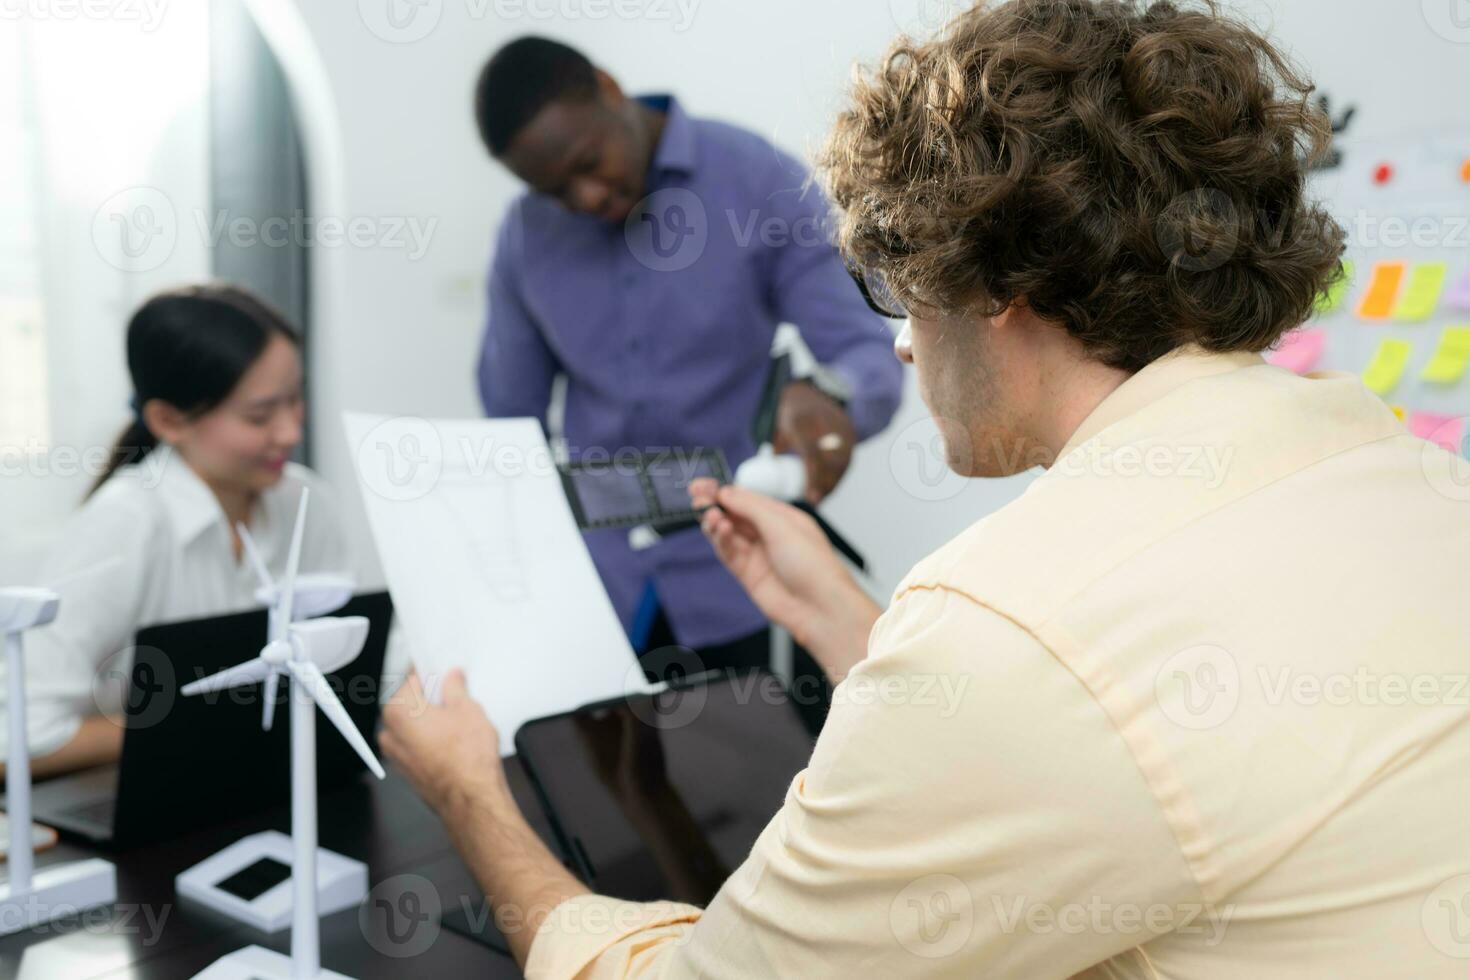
{"x": 651, "y": 261}
{"x": 217, "y": 381}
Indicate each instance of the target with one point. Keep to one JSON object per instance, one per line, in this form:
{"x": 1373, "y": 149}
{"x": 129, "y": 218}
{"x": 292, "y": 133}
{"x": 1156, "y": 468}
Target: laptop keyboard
{"x": 100, "y": 812}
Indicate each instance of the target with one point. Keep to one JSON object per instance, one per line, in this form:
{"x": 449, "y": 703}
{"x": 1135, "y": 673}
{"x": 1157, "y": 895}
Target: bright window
{"x": 24, "y": 416}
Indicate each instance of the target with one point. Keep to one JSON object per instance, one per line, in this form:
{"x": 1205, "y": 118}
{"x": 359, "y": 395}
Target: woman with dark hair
{"x": 217, "y": 412}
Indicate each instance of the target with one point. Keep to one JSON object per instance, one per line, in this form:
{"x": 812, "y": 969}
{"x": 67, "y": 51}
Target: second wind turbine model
{"x": 305, "y": 651}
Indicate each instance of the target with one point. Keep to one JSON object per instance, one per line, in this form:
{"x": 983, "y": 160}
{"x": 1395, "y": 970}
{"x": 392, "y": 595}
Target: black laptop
{"x": 189, "y": 762}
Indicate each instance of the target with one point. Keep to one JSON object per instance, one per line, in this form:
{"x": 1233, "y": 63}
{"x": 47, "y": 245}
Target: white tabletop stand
{"x": 30, "y": 897}
{"x": 259, "y": 963}
{"x": 341, "y": 882}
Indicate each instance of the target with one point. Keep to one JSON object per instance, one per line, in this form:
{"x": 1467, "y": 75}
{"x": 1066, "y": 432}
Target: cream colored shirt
{"x": 1206, "y": 718}
{"x": 152, "y": 546}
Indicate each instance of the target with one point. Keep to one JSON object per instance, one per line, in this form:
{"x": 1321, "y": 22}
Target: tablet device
{"x": 662, "y": 796}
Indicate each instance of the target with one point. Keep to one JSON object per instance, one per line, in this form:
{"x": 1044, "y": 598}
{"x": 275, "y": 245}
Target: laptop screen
{"x": 191, "y": 762}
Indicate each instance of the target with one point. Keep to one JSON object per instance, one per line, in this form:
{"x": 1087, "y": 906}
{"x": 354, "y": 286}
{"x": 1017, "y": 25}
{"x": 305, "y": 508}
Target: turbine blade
{"x": 306, "y": 673}
{"x": 252, "y": 554}
{"x": 293, "y": 562}
{"x": 272, "y": 680}
{"x": 321, "y": 594}
{"x": 330, "y": 643}
{"x": 250, "y": 672}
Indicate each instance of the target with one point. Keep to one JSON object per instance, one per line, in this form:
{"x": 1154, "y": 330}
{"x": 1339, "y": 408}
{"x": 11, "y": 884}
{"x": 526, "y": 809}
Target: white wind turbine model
{"x": 314, "y": 595}
{"x": 305, "y": 651}
{"x": 30, "y": 897}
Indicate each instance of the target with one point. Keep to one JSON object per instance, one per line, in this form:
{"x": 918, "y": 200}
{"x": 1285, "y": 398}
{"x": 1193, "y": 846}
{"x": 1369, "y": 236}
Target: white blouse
{"x": 152, "y": 546}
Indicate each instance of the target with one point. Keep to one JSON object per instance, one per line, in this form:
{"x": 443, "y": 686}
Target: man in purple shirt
{"x": 651, "y": 263}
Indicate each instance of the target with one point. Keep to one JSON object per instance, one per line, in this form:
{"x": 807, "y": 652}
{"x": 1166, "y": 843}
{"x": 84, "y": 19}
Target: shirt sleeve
{"x": 517, "y": 366}
{"x": 99, "y": 566}
{"x": 968, "y": 811}
{"x": 810, "y": 288}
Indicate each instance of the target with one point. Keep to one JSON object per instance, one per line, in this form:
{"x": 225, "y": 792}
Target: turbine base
{"x": 56, "y": 891}
{"x": 341, "y": 882}
{"x": 257, "y": 963}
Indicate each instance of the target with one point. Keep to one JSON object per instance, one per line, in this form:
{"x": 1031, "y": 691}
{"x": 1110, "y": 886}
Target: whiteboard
{"x": 1403, "y": 202}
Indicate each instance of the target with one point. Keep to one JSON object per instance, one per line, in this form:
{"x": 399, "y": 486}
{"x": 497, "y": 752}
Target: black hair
{"x": 521, "y": 79}
{"x": 190, "y": 347}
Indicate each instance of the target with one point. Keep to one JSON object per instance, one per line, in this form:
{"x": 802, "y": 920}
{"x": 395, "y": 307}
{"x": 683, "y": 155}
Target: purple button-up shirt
{"x": 663, "y": 327}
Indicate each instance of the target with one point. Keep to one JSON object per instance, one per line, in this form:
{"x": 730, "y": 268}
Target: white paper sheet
{"x": 487, "y": 567}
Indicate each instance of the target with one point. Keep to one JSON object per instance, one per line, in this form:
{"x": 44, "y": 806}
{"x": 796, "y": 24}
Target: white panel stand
{"x": 341, "y": 882}
{"x": 29, "y": 897}
{"x": 258, "y": 963}
{"x": 60, "y": 890}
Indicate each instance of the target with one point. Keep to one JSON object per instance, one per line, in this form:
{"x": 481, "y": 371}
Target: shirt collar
{"x": 1154, "y": 381}
{"x": 191, "y": 506}
{"x": 676, "y": 151}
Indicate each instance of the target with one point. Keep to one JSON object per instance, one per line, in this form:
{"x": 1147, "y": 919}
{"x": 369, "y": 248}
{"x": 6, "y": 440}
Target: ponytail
{"x": 132, "y": 445}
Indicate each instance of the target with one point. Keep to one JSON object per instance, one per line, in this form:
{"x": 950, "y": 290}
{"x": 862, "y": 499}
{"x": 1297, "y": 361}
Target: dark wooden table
{"x": 412, "y": 868}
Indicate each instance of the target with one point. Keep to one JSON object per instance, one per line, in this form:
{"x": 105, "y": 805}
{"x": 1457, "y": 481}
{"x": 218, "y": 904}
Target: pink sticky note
{"x": 1447, "y": 430}
{"x": 1300, "y": 350}
{"x": 1459, "y": 294}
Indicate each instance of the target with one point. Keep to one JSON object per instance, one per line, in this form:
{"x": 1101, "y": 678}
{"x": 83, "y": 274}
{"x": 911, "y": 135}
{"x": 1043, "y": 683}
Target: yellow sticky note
{"x": 1383, "y": 289}
{"x": 1387, "y": 366}
{"x": 1333, "y": 297}
{"x": 1448, "y": 362}
{"x": 1421, "y": 295}
{"x": 1399, "y": 411}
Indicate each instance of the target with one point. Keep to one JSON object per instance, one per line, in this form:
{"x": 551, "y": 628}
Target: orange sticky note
{"x": 1383, "y": 291}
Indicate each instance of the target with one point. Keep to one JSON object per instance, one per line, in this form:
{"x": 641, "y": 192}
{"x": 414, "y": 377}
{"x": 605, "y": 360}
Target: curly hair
{"x": 1133, "y": 171}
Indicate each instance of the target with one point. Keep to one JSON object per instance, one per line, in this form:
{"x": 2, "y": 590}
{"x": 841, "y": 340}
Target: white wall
{"x": 121, "y": 139}
{"x": 407, "y": 338}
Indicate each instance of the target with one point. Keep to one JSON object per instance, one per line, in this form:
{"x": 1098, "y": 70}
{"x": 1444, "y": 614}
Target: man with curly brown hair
{"x": 1215, "y": 722}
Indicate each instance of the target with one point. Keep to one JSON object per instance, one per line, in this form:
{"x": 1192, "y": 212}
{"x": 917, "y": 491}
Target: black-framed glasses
{"x": 876, "y": 294}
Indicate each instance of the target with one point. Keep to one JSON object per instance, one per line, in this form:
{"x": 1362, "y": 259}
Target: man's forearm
{"x": 522, "y": 880}
{"x": 839, "y": 641}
